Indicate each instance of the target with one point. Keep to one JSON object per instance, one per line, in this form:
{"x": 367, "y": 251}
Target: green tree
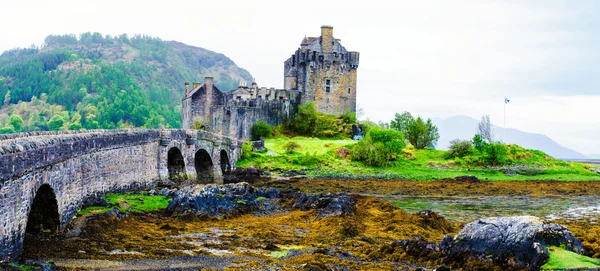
{"x": 305, "y": 120}
{"x": 56, "y": 122}
{"x": 422, "y": 134}
{"x": 478, "y": 143}
{"x": 16, "y": 122}
{"x": 459, "y": 148}
{"x": 401, "y": 122}
{"x": 7, "y": 130}
{"x": 260, "y": 129}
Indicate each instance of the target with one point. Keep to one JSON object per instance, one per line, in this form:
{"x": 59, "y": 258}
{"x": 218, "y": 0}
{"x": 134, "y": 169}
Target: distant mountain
{"x": 594, "y": 156}
{"x": 463, "y": 127}
{"x": 106, "y": 82}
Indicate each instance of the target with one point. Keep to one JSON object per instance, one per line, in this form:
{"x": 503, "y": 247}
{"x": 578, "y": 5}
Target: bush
{"x": 7, "y": 130}
{"x": 307, "y": 159}
{"x": 460, "y": 148}
{"x": 246, "y": 150}
{"x": 379, "y": 147}
{"x": 304, "y": 121}
{"x": 392, "y": 139}
{"x": 495, "y": 154}
{"x": 260, "y": 130}
{"x": 291, "y": 147}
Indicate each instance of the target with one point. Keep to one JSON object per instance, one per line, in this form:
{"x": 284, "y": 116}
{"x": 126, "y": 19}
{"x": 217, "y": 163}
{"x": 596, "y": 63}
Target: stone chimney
{"x": 327, "y": 39}
{"x": 208, "y": 85}
{"x": 187, "y": 88}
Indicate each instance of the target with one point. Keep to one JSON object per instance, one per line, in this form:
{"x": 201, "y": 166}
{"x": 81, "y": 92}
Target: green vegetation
{"x": 24, "y": 267}
{"x": 563, "y": 259}
{"x": 319, "y": 158}
{"x": 379, "y": 147}
{"x": 418, "y": 132}
{"x": 261, "y": 129}
{"x": 308, "y": 122}
{"x": 94, "y": 81}
{"x": 130, "y": 202}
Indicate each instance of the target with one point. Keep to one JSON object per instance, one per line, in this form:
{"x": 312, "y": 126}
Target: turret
{"x": 327, "y": 39}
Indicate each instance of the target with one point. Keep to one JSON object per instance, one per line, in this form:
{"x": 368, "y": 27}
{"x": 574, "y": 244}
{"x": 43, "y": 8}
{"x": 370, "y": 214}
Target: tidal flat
{"x": 278, "y": 236}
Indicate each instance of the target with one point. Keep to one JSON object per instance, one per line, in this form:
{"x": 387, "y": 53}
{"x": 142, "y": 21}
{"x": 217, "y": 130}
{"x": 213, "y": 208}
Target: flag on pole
{"x": 506, "y": 100}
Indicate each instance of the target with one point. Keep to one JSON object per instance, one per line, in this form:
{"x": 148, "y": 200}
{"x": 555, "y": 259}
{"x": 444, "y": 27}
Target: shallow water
{"x": 469, "y": 208}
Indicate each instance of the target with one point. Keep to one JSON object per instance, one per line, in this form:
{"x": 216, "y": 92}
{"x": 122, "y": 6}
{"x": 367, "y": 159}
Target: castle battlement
{"x": 321, "y": 71}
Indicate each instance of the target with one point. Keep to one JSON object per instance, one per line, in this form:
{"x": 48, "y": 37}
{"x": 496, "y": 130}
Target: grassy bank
{"x": 129, "y": 202}
{"x": 317, "y": 158}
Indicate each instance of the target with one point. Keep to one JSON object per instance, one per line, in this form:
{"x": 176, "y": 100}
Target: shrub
{"x": 246, "y": 149}
{"x": 307, "y": 159}
{"x": 379, "y": 147}
{"x": 304, "y": 121}
{"x": 478, "y": 143}
{"x": 460, "y": 148}
{"x": 392, "y": 139}
{"x": 260, "y": 130}
{"x": 8, "y": 129}
{"x": 291, "y": 147}
{"x": 495, "y": 154}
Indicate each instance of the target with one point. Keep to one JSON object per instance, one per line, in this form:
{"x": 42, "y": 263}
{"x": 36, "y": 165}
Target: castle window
{"x": 321, "y": 58}
{"x": 314, "y": 56}
{"x": 327, "y": 89}
{"x": 293, "y": 60}
{"x": 327, "y": 85}
{"x": 348, "y": 90}
{"x": 260, "y": 97}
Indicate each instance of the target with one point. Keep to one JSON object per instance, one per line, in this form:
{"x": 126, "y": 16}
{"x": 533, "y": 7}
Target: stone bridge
{"x": 46, "y": 176}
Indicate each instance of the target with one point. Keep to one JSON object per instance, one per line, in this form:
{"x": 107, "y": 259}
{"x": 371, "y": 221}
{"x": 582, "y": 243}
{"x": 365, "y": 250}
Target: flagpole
{"x": 504, "y": 136}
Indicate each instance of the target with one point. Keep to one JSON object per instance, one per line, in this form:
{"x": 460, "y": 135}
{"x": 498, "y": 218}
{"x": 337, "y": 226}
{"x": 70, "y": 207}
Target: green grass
{"x": 563, "y": 259}
{"x": 24, "y": 267}
{"x": 130, "y": 202}
{"x": 94, "y": 210}
{"x": 137, "y": 203}
{"x": 310, "y": 145}
{"x": 285, "y": 250}
{"x": 318, "y": 159}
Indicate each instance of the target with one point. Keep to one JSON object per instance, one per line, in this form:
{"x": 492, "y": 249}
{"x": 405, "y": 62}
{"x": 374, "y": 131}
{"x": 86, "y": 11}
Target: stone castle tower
{"x": 324, "y": 72}
{"x": 321, "y": 71}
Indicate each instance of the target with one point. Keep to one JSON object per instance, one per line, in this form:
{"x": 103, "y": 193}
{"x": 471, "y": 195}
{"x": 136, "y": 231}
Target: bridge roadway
{"x": 46, "y": 176}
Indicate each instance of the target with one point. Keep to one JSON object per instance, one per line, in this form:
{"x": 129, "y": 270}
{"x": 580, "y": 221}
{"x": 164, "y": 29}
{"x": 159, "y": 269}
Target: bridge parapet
{"x": 76, "y": 165}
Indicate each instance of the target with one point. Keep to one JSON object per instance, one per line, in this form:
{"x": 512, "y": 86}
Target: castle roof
{"x": 314, "y": 44}
{"x": 191, "y": 93}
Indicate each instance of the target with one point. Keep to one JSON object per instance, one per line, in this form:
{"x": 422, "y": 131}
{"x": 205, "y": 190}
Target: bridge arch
{"x": 204, "y": 166}
{"x": 225, "y": 164}
{"x": 43, "y": 215}
{"x": 175, "y": 164}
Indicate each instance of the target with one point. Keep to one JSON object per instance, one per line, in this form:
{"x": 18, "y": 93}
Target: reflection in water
{"x": 467, "y": 209}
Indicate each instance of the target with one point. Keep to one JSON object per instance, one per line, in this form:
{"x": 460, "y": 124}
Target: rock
{"x": 242, "y": 175}
{"x": 95, "y": 201}
{"x": 470, "y": 179}
{"x": 218, "y": 200}
{"x": 327, "y": 204}
{"x": 519, "y": 241}
{"x": 442, "y": 267}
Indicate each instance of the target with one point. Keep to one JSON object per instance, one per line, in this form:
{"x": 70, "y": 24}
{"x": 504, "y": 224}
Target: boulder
{"x": 327, "y": 204}
{"x": 519, "y": 241}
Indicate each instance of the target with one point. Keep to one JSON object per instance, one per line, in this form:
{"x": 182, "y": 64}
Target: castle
{"x": 321, "y": 71}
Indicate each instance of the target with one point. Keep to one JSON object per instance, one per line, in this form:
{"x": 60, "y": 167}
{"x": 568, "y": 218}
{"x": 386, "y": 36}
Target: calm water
{"x": 470, "y": 208}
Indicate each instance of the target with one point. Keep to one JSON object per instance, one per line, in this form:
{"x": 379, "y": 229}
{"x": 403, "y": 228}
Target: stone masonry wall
{"x": 78, "y": 165}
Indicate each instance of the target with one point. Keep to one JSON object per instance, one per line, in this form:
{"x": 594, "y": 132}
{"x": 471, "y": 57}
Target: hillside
{"x": 463, "y": 127}
{"x": 106, "y": 82}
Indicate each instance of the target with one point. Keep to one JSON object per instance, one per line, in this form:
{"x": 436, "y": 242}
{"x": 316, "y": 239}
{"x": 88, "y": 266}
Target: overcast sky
{"x": 432, "y": 58}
